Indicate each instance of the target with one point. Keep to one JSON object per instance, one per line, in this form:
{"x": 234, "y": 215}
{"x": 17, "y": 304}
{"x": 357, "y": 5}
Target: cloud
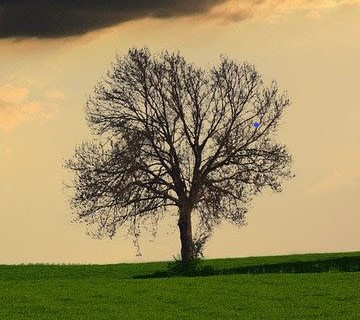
{"x": 235, "y": 10}
{"x": 56, "y": 19}
{"x": 59, "y": 19}
{"x": 11, "y": 94}
{"x": 15, "y": 107}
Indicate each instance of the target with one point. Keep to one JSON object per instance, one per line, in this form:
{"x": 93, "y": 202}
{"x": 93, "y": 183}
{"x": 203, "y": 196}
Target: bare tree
{"x": 171, "y": 134}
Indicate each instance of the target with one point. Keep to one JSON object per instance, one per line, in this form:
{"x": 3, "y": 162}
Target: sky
{"x": 52, "y": 55}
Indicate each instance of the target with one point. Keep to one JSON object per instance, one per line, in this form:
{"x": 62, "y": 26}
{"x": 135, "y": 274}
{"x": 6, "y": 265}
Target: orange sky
{"x": 311, "y": 48}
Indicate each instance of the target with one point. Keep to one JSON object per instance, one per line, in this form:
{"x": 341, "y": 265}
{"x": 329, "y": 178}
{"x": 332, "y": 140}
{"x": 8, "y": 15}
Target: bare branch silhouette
{"x": 172, "y": 134}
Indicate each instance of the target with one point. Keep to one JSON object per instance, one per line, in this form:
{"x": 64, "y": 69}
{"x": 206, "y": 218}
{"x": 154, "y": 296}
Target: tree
{"x": 170, "y": 134}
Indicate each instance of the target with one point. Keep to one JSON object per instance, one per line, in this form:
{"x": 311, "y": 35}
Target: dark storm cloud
{"x": 58, "y": 18}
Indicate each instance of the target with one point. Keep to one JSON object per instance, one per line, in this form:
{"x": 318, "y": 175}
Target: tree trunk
{"x": 184, "y": 223}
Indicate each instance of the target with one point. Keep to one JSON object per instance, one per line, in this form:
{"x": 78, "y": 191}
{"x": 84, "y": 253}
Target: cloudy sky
{"x": 51, "y": 56}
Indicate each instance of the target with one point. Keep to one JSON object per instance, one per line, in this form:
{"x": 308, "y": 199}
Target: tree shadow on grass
{"x": 176, "y": 269}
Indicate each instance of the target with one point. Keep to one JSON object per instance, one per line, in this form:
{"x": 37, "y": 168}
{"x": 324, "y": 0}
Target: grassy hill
{"x": 312, "y": 286}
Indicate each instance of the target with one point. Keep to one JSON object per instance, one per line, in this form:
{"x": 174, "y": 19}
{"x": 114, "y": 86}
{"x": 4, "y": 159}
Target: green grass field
{"x": 316, "y": 286}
